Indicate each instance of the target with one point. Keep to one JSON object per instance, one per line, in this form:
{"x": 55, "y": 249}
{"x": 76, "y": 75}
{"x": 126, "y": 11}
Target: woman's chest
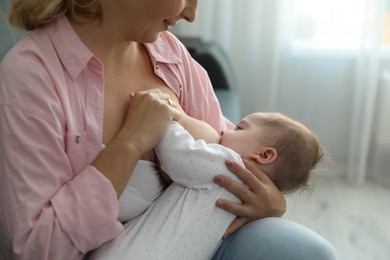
{"x": 117, "y": 102}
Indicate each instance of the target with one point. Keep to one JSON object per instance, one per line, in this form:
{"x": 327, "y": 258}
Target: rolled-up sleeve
{"x": 48, "y": 211}
{"x": 54, "y": 204}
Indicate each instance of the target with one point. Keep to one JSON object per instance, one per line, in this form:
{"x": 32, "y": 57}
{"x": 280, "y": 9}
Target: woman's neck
{"x": 105, "y": 44}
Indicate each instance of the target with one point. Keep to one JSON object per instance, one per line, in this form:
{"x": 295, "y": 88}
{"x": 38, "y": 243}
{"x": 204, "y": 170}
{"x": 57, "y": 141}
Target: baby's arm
{"x": 192, "y": 163}
{"x": 198, "y": 130}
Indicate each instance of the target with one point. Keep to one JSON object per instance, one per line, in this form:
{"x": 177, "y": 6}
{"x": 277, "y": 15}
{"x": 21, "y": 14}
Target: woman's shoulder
{"x": 27, "y": 54}
{"x": 49, "y": 48}
{"x": 32, "y": 71}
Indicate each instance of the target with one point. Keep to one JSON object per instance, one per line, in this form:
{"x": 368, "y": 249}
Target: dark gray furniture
{"x": 219, "y": 67}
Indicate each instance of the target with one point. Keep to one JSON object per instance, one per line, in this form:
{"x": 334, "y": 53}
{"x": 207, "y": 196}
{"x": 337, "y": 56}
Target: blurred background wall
{"x": 323, "y": 62}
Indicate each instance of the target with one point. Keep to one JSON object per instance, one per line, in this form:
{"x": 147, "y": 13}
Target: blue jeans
{"x": 275, "y": 239}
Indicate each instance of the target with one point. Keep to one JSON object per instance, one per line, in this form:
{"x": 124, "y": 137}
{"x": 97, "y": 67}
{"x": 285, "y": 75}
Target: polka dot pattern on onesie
{"x": 183, "y": 223}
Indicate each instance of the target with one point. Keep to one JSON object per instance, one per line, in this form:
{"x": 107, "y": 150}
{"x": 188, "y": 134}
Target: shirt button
{"x": 77, "y": 139}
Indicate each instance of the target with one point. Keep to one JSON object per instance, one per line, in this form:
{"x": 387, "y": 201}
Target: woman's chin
{"x": 150, "y": 38}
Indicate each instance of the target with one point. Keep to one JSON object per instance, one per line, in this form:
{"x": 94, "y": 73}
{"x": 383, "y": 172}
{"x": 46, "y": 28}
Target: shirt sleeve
{"x": 192, "y": 163}
{"x": 48, "y": 211}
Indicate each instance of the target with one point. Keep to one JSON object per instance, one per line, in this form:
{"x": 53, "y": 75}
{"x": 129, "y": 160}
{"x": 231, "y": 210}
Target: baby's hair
{"x": 298, "y": 149}
{"x": 29, "y": 15}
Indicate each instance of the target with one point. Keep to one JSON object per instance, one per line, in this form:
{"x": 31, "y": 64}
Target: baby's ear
{"x": 266, "y": 155}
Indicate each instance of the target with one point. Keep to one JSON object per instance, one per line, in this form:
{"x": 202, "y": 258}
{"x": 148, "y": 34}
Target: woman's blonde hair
{"x": 31, "y": 14}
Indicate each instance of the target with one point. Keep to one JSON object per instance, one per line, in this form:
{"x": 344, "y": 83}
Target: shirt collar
{"x": 162, "y": 49}
{"x": 74, "y": 55}
{"x": 72, "y": 52}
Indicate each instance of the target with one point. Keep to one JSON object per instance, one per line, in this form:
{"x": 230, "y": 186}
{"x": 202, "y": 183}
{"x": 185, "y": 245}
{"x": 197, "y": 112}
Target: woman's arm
{"x": 56, "y": 203}
{"x": 47, "y": 210}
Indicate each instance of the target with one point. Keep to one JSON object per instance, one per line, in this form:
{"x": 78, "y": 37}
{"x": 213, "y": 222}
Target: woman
{"x": 65, "y": 93}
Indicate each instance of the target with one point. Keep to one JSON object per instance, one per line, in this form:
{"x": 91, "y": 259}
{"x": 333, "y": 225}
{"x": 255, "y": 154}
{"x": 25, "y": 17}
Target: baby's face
{"x": 247, "y": 137}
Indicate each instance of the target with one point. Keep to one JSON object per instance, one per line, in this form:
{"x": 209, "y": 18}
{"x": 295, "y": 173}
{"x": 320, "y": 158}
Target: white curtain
{"x": 323, "y": 62}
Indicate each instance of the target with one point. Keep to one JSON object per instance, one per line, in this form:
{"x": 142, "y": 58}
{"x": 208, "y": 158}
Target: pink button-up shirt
{"x": 54, "y": 204}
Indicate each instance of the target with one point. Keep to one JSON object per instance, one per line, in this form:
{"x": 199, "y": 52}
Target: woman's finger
{"x": 257, "y": 172}
{"x": 166, "y": 100}
{"x": 246, "y": 175}
{"x": 235, "y": 225}
{"x": 232, "y": 207}
{"x": 259, "y": 195}
{"x": 237, "y": 189}
{"x": 162, "y": 98}
{"x": 148, "y": 117}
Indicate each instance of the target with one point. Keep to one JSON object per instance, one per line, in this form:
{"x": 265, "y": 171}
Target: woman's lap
{"x": 275, "y": 239}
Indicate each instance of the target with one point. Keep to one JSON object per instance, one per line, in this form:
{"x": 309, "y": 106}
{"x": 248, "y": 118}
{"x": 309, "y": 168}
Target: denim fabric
{"x": 275, "y": 239}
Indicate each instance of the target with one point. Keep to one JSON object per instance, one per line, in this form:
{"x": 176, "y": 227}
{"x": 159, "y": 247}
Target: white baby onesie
{"x": 183, "y": 223}
{"x": 144, "y": 186}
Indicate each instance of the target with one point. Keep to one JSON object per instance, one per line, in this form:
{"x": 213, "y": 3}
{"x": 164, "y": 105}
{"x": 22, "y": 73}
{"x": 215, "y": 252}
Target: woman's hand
{"x": 148, "y": 117}
{"x": 259, "y": 195}
{"x": 147, "y": 120}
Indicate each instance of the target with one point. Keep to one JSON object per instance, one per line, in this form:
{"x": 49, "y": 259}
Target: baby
{"x": 283, "y": 148}
{"x": 183, "y": 223}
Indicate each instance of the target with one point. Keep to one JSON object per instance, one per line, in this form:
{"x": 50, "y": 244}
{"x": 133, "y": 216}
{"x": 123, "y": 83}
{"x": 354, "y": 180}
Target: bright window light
{"x": 332, "y": 24}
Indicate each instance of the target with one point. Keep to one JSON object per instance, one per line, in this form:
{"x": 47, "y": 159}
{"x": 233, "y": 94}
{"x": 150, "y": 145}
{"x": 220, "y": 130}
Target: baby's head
{"x": 283, "y": 148}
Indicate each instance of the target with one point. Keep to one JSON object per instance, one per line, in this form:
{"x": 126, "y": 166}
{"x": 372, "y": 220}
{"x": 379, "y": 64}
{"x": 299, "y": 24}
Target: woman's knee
{"x": 275, "y": 239}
